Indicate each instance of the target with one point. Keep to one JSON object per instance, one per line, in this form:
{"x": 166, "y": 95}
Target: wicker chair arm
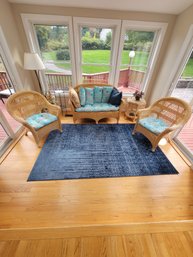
{"x": 122, "y": 104}
{"x": 72, "y": 105}
{"x": 54, "y": 109}
{"x": 142, "y": 113}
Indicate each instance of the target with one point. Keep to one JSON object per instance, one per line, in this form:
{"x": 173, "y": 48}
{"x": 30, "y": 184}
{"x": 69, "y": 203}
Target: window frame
{"x": 159, "y": 28}
{"x": 115, "y": 25}
{"x": 29, "y": 20}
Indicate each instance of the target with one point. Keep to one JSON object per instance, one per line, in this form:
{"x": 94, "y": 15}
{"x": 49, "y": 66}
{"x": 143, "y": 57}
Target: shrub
{"x": 63, "y": 55}
{"x": 92, "y": 43}
{"x": 54, "y": 45}
{"x": 147, "y": 46}
{"x": 129, "y": 46}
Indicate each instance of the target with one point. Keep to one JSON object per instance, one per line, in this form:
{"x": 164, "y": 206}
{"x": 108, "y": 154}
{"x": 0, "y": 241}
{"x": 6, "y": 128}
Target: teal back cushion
{"x": 106, "y": 94}
{"x": 98, "y": 93}
{"x": 89, "y": 96}
{"x": 82, "y": 96}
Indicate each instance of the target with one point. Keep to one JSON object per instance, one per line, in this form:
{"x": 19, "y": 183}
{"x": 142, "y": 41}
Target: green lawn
{"x": 103, "y": 57}
{"x": 188, "y": 72}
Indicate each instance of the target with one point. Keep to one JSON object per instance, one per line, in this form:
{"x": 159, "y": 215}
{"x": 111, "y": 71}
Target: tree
{"x": 43, "y": 33}
{"x": 136, "y": 38}
{"x": 108, "y": 40}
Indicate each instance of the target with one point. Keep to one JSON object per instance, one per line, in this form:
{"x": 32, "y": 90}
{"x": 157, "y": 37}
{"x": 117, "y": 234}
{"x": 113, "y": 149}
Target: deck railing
{"x": 127, "y": 77}
{"x": 4, "y": 81}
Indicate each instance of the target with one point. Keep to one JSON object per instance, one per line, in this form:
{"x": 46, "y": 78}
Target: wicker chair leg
{"x": 60, "y": 126}
{"x": 153, "y": 149}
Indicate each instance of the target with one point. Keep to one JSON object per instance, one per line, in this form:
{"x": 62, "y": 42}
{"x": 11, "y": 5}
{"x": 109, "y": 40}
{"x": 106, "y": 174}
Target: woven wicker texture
{"x": 173, "y": 111}
{"x": 23, "y": 104}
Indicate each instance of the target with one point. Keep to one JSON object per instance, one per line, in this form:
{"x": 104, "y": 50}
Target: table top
{"x": 132, "y": 100}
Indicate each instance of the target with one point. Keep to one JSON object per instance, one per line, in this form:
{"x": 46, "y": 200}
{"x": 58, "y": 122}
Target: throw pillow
{"x": 98, "y": 93}
{"x": 74, "y": 98}
{"x": 89, "y": 96}
{"x": 106, "y": 94}
{"x": 82, "y": 95}
{"x": 115, "y": 97}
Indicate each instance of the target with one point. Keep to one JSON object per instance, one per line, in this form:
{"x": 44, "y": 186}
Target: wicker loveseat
{"x": 96, "y": 111}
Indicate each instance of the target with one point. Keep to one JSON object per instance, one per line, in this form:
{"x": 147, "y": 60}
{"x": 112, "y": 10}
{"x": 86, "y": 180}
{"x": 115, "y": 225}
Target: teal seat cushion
{"x": 89, "y": 96}
{"x": 40, "y": 120}
{"x": 155, "y": 125}
{"x": 98, "y": 107}
{"x": 98, "y": 93}
{"x": 106, "y": 94}
{"x": 82, "y": 96}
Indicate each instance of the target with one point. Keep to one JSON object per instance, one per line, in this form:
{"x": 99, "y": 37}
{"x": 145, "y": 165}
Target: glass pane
{"x": 95, "y": 74}
{"x": 3, "y": 135}
{"x": 184, "y": 90}
{"x": 134, "y": 60}
{"x": 12, "y": 122}
{"x": 186, "y": 135}
{"x": 184, "y": 87}
{"x": 54, "y": 46}
{"x": 6, "y": 89}
{"x": 96, "y": 53}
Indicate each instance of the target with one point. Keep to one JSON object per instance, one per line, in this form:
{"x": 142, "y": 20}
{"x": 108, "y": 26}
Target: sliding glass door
{"x": 184, "y": 90}
{"x": 8, "y": 126}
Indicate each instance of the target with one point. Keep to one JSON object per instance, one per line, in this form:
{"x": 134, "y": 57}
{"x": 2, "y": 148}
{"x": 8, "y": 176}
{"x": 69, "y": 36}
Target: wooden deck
{"x": 13, "y": 123}
{"x": 186, "y": 135}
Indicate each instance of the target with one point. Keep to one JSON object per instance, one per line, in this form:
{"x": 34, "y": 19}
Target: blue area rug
{"x": 98, "y": 151}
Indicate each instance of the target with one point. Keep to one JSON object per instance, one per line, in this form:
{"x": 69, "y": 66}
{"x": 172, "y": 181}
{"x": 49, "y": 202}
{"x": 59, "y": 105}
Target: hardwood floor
{"x": 159, "y": 206}
{"x": 144, "y": 245}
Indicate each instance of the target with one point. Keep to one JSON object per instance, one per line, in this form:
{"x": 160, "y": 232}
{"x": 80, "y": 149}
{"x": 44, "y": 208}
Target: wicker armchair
{"x": 25, "y": 104}
{"x": 163, "y": 117}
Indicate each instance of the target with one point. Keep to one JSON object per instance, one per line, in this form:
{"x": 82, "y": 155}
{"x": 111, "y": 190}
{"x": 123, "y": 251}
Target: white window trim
{"x": 96, "y": 22}
{"x": 159, "y": 28}
{"x": 30, "y": 19}
{"x": 9, "y": 63}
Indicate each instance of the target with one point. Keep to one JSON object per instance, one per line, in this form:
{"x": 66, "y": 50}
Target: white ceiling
{"x": 158, "y": 6}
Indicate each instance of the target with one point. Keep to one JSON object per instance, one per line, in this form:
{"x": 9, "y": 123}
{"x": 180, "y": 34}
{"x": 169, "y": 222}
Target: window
{"x": 184, "y": 90}
{"x": 134, "y": 60}
{"x": 9, "y": 127}
{"x": 95, "y": 50}
{"x": 53, "y": 42}
{"x": 139, "y": 46}
{"x": 96, "y": 45}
